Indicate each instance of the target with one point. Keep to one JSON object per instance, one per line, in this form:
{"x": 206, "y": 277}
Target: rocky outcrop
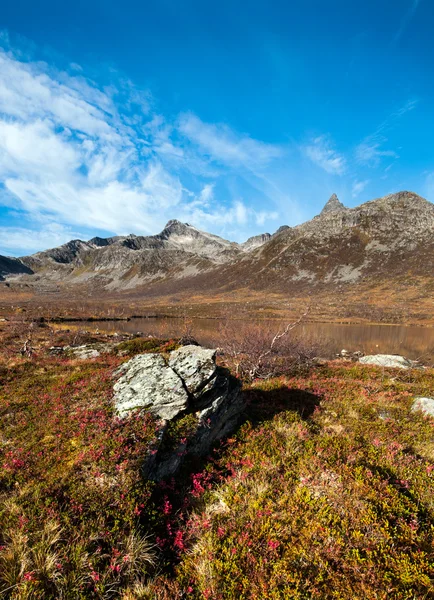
{"x": 195, "y": 366}
{"x": 12, "y": 266}
{"x": 333, "y": 204}
{"x": 255, "y": 242}
{"x": 147, "y": 382}
{"x": 188, "y": 388}
{"x": 83, "y": 352}
{"x": 388, "y": 360}
{"x": 425, "y": 405}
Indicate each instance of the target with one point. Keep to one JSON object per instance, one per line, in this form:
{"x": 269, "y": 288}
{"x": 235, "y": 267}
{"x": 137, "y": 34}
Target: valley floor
{"x": 401, "y": 301}
{"x": 324, "y": 491}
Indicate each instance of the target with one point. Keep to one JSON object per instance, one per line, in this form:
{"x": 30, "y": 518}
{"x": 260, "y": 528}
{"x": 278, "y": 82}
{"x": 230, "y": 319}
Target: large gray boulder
{"x": 425, "y": 405}
{"x": 195, "y": 365}
{"x": 147, "y": 382}
{"x": 388, "y": 360}
{"x": 189, "y": 385}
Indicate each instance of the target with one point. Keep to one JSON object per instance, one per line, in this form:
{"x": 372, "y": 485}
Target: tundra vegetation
{"x": 324, "y": 491}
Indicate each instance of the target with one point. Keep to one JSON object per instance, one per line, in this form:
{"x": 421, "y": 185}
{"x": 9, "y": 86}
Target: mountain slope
{"x": 12, "y": 266}
{"x": 179, "y": 250}
{"x": 387, "y": 237}
{"x": 381, "y": 240}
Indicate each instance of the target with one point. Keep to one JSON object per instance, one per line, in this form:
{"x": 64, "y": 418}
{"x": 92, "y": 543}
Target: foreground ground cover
{"x": 325, "y": 491}
{"x": 70, "y": 484}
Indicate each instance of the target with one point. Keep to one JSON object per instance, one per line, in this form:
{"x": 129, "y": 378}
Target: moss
{"x": 334, "y": 504}
{"x": 139, "y": 346}
{"x": 180, "y": 432}
{"x": 66, "y": 461}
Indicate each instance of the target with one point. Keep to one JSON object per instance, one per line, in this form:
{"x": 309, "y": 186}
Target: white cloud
{"x": 28, "y": 91}
{"x": 206, "y": 194}
{"x": 262, "y": 216}
{"x": 16, "y": 240}
{"x": 77, "y": 155}
{"x": 358, "y": 187}
{"x": 370, "y": 151}
{"x": 222, "y": 144}
{"x": 321, "y": 152}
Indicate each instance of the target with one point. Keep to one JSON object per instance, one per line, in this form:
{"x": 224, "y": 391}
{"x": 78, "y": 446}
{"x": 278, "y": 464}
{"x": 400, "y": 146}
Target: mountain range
{"x": 381, "y": 240}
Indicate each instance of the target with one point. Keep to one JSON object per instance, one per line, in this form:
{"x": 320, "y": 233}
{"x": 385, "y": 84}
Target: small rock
{"x": 388, "y": 360}
{"x": 82, "y": 352}
{"x": 319, "y": 361}
{"x": 425, "y": 405}
{"x": 56, "y": 350}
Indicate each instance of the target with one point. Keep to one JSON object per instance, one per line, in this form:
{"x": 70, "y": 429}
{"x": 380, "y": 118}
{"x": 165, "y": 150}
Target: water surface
{"x": 411, "y": 341}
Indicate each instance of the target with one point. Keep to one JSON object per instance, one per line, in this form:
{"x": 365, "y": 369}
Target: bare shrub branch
{"x": 255, "y": 350}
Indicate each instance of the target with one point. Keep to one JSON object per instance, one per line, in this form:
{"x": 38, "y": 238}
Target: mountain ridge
{"x": 380, "y": 238}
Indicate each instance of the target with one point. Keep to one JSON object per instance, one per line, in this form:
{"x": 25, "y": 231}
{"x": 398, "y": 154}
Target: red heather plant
{"x": 325, "y": 491}
{"x": 72, "y": 498}
{"x": 335, "y": 506}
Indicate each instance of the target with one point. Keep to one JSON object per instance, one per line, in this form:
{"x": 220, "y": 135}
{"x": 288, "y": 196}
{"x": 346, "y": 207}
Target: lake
{"x": 411, "y": 341}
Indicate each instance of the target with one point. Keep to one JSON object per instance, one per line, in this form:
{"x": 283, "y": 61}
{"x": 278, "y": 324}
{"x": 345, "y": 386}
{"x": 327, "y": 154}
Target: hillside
{"x": 12, "y": 266}
{"x": 388, "y": 241}
{"x": 384, "y": 238}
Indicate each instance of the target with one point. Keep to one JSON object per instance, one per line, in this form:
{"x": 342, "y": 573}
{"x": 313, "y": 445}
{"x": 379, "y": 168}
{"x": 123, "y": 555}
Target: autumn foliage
{"x": 325, "y": 491}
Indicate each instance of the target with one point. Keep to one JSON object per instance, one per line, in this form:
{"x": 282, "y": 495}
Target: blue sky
{"x": 237, "y": 117}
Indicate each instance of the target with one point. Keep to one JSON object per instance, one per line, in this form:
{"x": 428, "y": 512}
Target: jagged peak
{"x": 405, "y": 195}
{"x": 333, "y": 204}
{"x": 281, "y": 228}
{"x": 255, "y": 241}
{"x": 260, "y": 236}
{"x": 175, "y": 224}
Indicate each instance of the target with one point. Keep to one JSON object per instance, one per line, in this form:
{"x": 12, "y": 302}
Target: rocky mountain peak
{"x": 176, "y": 226}
{"x": 255, "y": 241}
{"x": 333, "y": 205}
{"x": 99, "y": 242}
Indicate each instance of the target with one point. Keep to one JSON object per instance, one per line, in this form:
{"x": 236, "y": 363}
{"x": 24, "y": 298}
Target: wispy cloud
{"x": 26, "y": 240}
{"x": 321, "y": 152}
{"x": 358, "y": 187}
{"x": 371, "y": 150}
{"x": 73, "y": 154}
{"x": 406, "y": 19}
{"x": 224, "y": 145}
